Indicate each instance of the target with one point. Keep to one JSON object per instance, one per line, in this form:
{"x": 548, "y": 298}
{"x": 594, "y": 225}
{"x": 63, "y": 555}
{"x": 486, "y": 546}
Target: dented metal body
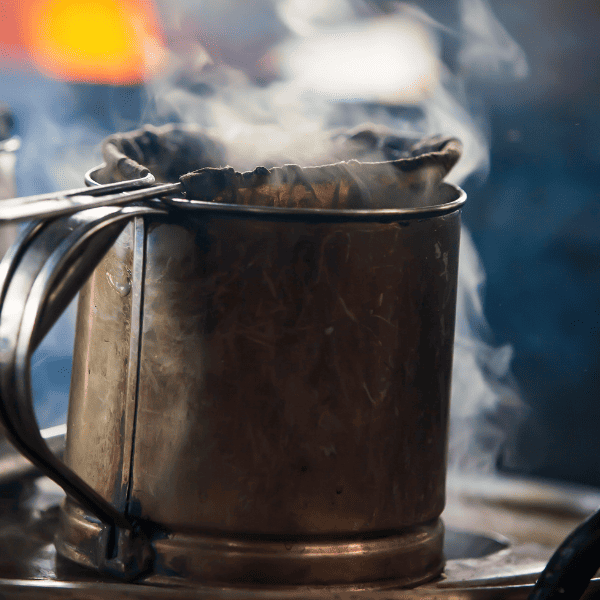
{"x": 258, "y": 396}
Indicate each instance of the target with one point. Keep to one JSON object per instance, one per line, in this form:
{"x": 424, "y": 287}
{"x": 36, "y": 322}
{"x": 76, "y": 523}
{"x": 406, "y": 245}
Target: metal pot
{"x": 259, "y": 395}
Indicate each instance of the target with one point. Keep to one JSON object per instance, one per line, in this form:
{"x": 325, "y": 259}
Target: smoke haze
{"x": 274, "y": 81}
{"x": 344, "y": 63}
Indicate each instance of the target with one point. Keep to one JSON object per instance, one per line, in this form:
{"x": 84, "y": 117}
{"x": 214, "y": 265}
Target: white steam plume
{"x": 485, "y": 401}
{"x": 488, "y": 50}
{"x": 341, "y": 56}
{"x": 324, "y": 58}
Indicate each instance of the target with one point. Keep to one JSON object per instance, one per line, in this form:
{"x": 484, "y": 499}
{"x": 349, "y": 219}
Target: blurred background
{"x": 516, "y": 81}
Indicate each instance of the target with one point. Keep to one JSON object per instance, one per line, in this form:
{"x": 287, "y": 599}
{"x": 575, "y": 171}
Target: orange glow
{"x": 98, "y": 41}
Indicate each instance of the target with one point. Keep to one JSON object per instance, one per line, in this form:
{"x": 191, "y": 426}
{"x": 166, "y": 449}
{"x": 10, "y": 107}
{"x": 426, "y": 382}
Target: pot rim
{"x": 309, "y": 214}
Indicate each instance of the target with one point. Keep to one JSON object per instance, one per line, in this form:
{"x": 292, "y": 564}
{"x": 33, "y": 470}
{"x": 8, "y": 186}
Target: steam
{"x": 319, "y": 66}
{"x": 343, "y": 63}
{"x": 400, "y": 65}
{"x": 488, "y": 51}
{"x": 485, "y": 400}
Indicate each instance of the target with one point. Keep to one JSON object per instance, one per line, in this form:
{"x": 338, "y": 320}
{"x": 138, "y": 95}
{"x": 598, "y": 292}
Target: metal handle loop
{"x": 38, "y": 277}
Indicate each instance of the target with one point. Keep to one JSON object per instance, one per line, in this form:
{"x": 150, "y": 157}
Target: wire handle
{"x": 48, "y": 206}
{"x": 39, "y": 276}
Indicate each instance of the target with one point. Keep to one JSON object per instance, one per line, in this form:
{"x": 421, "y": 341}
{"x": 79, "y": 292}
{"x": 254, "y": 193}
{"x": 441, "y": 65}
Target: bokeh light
{"x": 97, "y": 41}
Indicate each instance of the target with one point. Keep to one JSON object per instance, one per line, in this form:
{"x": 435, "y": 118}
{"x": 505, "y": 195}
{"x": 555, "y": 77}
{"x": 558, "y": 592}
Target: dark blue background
{"x": 536, "y": 223}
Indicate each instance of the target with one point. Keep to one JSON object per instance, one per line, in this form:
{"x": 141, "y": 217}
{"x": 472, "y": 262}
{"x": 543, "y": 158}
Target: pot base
{"x": 402, "y": 559}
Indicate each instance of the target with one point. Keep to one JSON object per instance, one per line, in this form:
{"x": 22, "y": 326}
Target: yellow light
{"x": 100, "y": 41}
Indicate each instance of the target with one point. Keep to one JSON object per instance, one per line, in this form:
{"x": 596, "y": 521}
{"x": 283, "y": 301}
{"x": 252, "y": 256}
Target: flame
{"x": 97, "y": 41}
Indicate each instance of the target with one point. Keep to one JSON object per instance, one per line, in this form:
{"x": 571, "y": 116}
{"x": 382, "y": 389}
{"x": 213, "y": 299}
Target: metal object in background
{"x": 8, "y": 148}
{"x": 286, "y": 376}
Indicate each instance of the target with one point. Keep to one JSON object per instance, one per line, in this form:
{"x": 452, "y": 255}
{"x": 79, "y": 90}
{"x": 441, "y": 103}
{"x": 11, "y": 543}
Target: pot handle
{"x": 39, "y": 276}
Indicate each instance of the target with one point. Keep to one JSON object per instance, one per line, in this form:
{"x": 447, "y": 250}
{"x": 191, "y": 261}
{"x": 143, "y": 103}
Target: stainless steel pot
{"x": 259, "y": 395}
